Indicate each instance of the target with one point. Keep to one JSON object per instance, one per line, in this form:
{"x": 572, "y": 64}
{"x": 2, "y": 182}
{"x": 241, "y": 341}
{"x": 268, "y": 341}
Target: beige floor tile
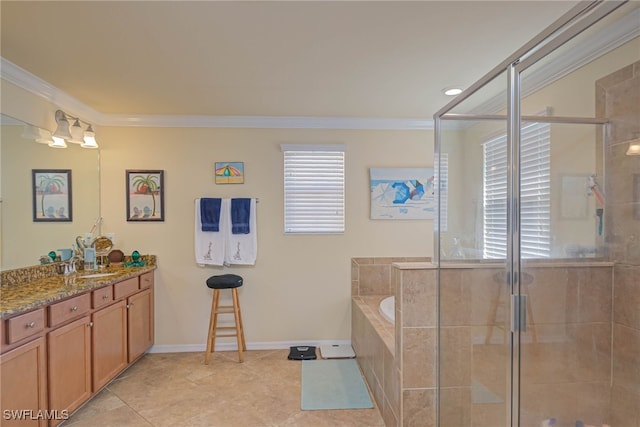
{"x": 178, "y": 389}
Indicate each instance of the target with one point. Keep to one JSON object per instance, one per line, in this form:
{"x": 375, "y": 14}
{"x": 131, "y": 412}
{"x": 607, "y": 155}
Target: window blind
{"x": 441, "y": 173}
{"x": 313, "y": 189}
{"x": 535, "y": 194}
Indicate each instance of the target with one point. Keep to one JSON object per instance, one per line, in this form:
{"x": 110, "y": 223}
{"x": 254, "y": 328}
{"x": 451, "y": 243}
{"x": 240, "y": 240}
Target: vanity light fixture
{"x": 73, "y": 133}
{"x": 62, "y": 130}
{"x": 634, "y": 147}
{"x": 40, "y": 135}
{"x": 58, "y": 143}
{"x": 89, "y": 139}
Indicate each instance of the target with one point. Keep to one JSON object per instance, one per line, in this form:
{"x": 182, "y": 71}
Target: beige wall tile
{"x": 455, "y": 299}
{"x": 419, "y": 298}
{"x": 594, "y": 293}
{"x": 593, "y": 352}
{"x": 419, "y": 357}
{"x": 375, "y": 279}
{"x": 455, "y": 356}
{"x": 455, "y": 407}
{"x": 488, "y": 291}
{"x": 419, "y": 408}
{"x": 625, "y": 407}
{"x": 391, "y": 383}
{"x": 626, "y": 358}
{"x": 627, "y": 296}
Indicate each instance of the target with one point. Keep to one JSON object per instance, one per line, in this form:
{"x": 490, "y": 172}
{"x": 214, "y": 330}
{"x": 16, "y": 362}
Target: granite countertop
{"x": 27, "y": 296}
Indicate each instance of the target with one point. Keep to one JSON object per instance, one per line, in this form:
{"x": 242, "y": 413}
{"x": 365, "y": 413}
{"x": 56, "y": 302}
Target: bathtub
{"x": 387, "y": 309}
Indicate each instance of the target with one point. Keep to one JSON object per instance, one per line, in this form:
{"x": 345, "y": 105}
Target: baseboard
{"x": 265, "y": 345}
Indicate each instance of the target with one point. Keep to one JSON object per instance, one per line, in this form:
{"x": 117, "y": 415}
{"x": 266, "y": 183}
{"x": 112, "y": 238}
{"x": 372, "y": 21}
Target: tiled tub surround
{"x": 373, "y": 338}
{"x": 567, "y": 365}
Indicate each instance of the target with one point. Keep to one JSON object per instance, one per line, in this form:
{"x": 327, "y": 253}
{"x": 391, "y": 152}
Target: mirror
{"x": 22, "y": 240}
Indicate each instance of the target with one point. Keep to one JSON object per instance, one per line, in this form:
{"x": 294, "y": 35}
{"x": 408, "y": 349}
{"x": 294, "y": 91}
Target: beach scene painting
{"x": 402, "y": 193}
{"x": 229, "y": 172}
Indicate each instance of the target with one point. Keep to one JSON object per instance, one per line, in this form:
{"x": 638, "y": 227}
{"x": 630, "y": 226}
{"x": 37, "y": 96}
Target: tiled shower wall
{"x": 618, "y": 100}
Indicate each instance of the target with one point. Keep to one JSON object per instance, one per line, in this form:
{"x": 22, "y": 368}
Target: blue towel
{"x": 210, "y": 214}
{"x": 240, "y": 214}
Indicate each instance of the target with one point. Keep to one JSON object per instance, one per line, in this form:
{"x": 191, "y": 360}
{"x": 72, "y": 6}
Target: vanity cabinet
{"x": 109, "y": 343}
{"x": 53, "y": 367}
{"x": 69, "y": 367}
{"x": 139, "y": 324}
{"x": 23, "y": 384}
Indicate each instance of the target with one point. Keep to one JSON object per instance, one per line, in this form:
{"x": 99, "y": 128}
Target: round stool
{"x": 217, "y": 283}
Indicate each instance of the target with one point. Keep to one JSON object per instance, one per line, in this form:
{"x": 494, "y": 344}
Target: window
{"x": 535, "y": 191}
{"x": 441, "y": 172}
{"x": 313, "y": 189}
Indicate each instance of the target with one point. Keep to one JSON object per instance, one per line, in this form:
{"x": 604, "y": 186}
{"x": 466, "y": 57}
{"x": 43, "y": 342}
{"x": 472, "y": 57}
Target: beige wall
{"x": 300, "y": 287}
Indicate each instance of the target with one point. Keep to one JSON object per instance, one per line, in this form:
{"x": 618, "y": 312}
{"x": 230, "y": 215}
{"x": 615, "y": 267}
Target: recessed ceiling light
{"x": 452, "y": 91}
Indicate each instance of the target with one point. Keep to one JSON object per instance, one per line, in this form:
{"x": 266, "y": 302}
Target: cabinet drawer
{"x": 124, "y": 288}
{"x": 102, "y": 296}
{"x": 25, "y": 325}
{"x": 69, "y": 309}
{"x": 146, "y": 280}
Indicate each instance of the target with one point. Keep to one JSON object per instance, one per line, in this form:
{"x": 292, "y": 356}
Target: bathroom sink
{"x": 95, "y": 275}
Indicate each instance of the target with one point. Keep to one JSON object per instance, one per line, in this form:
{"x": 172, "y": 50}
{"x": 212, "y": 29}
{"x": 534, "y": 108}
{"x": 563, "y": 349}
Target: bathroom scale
{"x": 337, "y": 351}
{"x": 302, "y": 352}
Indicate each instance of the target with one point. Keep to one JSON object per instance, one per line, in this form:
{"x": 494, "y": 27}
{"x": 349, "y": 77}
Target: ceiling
{"x": 383, "y": 59}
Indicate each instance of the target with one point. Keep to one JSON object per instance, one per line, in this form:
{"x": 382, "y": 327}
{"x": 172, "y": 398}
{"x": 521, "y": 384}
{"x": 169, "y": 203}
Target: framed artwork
{"x": 402, "y": 193}
{"x": 229, "y": 172}
{"x": 145, "y": 195}
{"x": 52, "y": 195}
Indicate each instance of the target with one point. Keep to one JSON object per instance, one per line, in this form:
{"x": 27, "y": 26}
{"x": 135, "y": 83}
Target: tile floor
{"x": 177, "y": 389}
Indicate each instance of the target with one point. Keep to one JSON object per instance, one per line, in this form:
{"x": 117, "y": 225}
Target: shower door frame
{"x": 572, "y": 23}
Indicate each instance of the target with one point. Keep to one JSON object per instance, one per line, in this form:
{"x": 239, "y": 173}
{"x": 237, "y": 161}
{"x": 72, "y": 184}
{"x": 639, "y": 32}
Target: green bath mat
{"x": 333, "y": 384}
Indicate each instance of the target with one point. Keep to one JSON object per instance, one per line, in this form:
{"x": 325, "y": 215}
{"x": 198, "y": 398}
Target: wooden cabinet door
{"x": 140, "y": 323}
{"x": 69, "y": 368}
{"x": 108, "y": 343}
{"x": 23, "y": 385}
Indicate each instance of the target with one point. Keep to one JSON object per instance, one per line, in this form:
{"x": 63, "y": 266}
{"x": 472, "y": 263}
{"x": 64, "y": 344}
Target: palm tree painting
{"x": 51, "y": 195}
{"x": 145, "y": 196}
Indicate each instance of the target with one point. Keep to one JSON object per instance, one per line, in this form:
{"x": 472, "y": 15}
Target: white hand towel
{"x": 209, "y": 245}
{"x": 242, "y": 249}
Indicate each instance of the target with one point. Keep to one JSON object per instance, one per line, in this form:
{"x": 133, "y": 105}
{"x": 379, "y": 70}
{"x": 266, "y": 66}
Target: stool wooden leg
{"x": 213, "y": 320}
{"x": 244, "y": 344}
{"x": 236, "y": 314}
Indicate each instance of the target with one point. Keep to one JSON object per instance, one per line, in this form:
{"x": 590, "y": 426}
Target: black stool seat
{"x": 224, "y": 281}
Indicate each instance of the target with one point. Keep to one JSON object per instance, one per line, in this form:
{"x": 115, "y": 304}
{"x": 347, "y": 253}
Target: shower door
{"x": 564, "y": 269}
{"x": 527, "y": 247}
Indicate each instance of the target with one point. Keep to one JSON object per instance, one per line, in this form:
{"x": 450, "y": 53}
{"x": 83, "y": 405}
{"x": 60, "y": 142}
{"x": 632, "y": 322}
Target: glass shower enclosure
{"x": 538, "y": 232}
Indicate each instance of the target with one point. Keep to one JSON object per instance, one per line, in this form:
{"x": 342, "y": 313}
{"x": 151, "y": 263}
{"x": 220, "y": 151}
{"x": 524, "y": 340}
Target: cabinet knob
{"x": 105, "y": 296}
{"x": 31, "y": 325}
{"x": 90, "y": 324}
{"x": 74, "y": 308}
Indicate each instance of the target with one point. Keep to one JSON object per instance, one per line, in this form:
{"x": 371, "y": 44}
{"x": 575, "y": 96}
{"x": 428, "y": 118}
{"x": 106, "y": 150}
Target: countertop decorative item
{"x": 116, "y": 256}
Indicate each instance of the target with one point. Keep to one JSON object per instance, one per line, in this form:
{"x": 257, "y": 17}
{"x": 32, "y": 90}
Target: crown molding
{"x": 34, "y": 84}
{"x": 268, "y": 122}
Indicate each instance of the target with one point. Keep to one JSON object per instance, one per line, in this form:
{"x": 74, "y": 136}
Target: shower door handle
{"x": 518, "y": 313}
